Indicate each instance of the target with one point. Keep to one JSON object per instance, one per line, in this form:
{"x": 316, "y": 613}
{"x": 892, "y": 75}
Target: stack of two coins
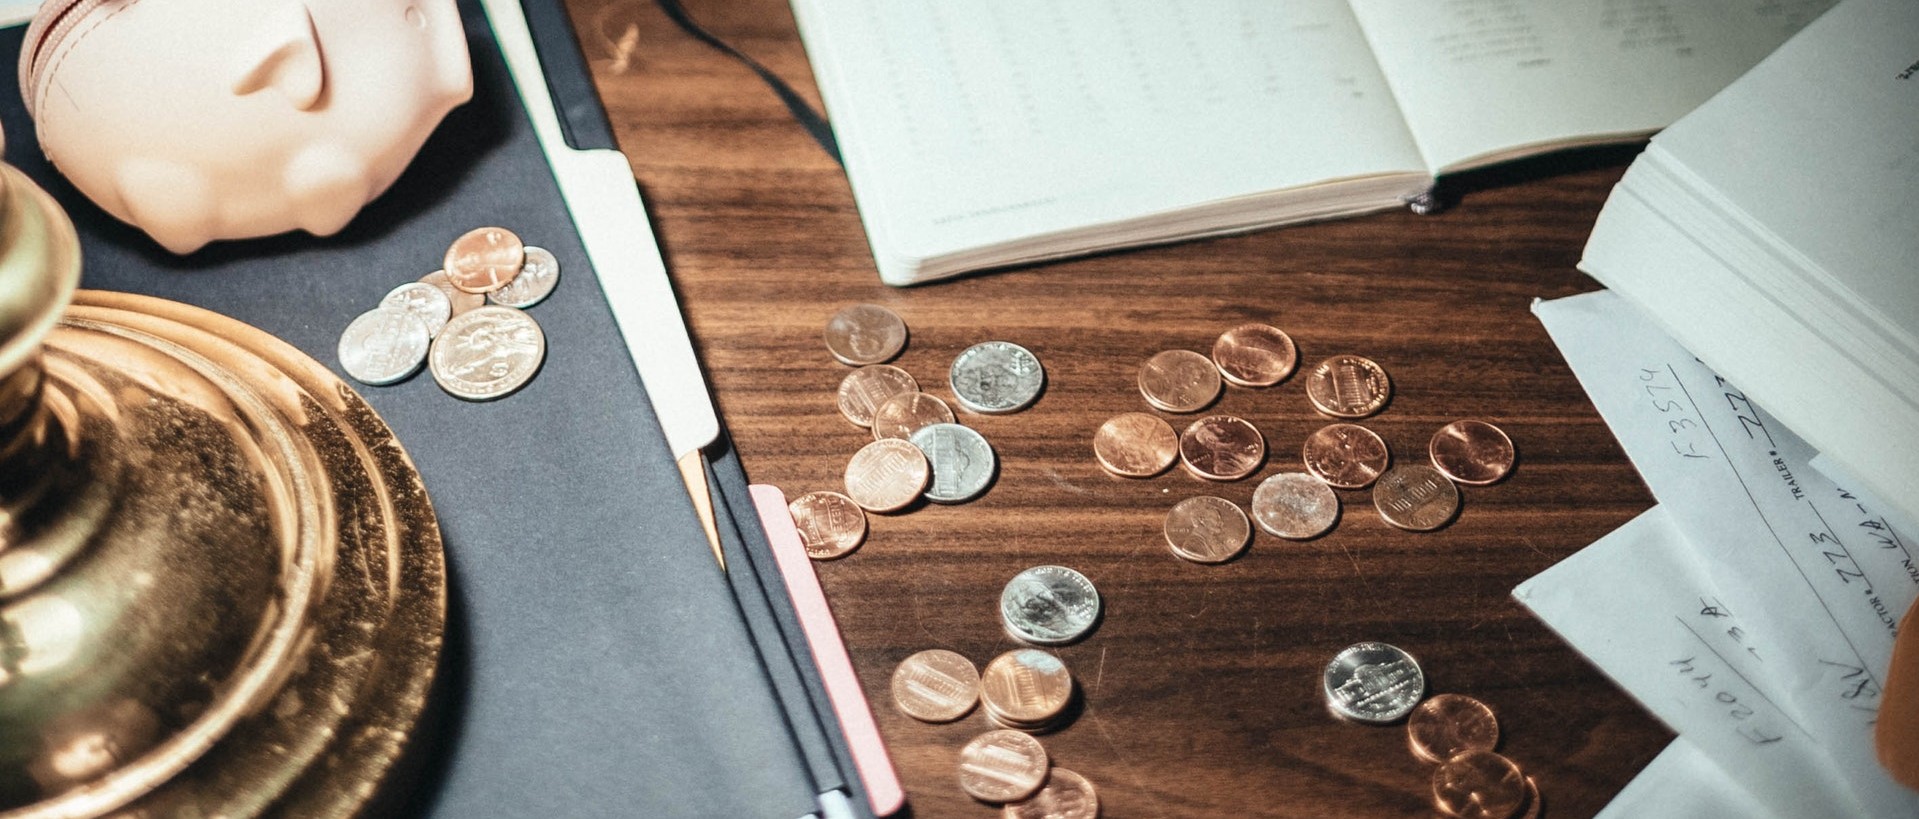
{"x": 1026, "y": 690}
{"x": 1459, "y": 734}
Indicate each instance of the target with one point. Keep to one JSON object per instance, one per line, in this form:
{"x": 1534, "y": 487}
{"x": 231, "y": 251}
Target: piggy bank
{"x": 197, "y": 120}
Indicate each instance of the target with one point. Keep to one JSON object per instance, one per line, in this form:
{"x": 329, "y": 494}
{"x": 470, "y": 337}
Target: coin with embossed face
{"x": 1135, "y": 445}
{"x": 996, "y": 376}
{"x": 886, "y": 475}
{"x": 1206, "y": 529}
{"x": 830, "y": 524}
{"x": 460, "y": 300}
{"x": 538, "y": 275}
{"x": 487, "y": 353}
{"x": 1474, "y": 453}
{"x": 383, "y": 346}
{"x": 1373, "y": 682}
{"x": 1002, "y": 766}
{"x": 1026, "y": 687}
{"x": 1415, "y": 497}
{"x": 1179, "y": 381}
{"x": 1348, "y": 386}
{"x": 1295, "y": 506}
{"x": 484, "y": 259}
{"x": 865, "y": 334}
{"x": 1049, "y": 605}
{"x": 1222, "y": 448}
{"x": 1446, "y": 724}
{"x": 1255, "y": 355}
{"x": 1478, "y": 785}
{"x": 961, "y": 459}
{"x": 935, "y": 685}
{"x": 424, "y": 300}
{"x": 1067, "y": 795}
{"x": 863, "y": 390}
{"x": 1347, "y": 456}
{"x": 906, "y": 413}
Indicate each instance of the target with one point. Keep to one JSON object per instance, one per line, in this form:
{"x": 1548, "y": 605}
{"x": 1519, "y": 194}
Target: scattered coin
{"x": 1346, "y": 456}
{"x": 863, "y": 390}
{"x": 935, "y": 685}
{"x": 1415, "y": 497}
{"x": 1067, "y": 795}
{"x": 1002, "y": 766}
{"x": 1535, "y": 802}
{"x": 1348, "y": 386}
{"x": 886, "y": 475}
{"x": 961, "y": 459}
{"x": 1447, "y": 724}
{"x": 1049, "y": 605}
{"x": 1179, "y": 381}
{"x": 902, "y": 415}
{"x": 830, "y": 524}
{"x": 484, "y": 259}
{"x": 460, "y": 300}
{"x": 1478, "y": 785}
{"x": 1135, "y": 445}
{"x": 1255, "y": 355}
{"x": 865, "y": 334}
{"x": 1374, "y": 683}
{"x": 1206, "y": 529}
{"x": 424, "y": 300}
{"x": 383, "y": 346}
{"x": 1222, "y": 448}
{"x": 1025, "y": 688}
{"x": 1295, "y": 506}
{"x": 996, "y": 376}
{"x": 1474, "y": 453}
{"x": 538, "y": 275}
{"x": 487, "y": 353}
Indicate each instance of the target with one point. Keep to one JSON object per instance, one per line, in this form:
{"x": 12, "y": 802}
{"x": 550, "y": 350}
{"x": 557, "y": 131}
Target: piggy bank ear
{"x": 283, "y": 56}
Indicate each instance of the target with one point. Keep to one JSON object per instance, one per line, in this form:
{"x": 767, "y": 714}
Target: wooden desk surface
{"x": 1201, "y": 686}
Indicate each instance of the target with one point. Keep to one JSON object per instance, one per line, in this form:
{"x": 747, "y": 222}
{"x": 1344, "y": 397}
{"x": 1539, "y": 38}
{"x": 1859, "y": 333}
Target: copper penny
{"x": 1026, "y": 687}
{"x": 1348, "y": 386}
{"x": 461, "y": 300}
{"x": 484, "y": 259}
{"x": 1222, "y": 448}
{"x": 865, "y": 334}
{"x": 1207, "y": 529}
{"x": 1255, "y": 355}
{"x": 1474, "y": 453}
{"x": 1179, "y": 381}
{"x": 1478, "y": 785}
{"x": 1416, "y": 497}
{"x": 830, "y": 524}
{"x": 902, "y": 415}
{"x": 1295, "y": 506}
{"x": 1067, "y": 795}
{"x": 1135, "y": 445}
{"x": 1002, "y": 766}
{"x": 886, "y": 475}
{"x": 1535, "y": 803}
{"x": 863, "y": 390}
{"x": 1447, "y": 724}
{"x": 1346, "y": 456}
{"x": 935, "y": 685}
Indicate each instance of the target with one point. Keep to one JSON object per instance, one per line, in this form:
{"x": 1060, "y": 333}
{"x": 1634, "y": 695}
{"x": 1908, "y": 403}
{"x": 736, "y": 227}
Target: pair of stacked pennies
{"x": 463, "y": 321}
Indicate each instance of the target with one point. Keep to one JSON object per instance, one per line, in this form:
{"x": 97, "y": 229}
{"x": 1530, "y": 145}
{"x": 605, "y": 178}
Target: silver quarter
{"x": 424, "y": 300}
{"x": 383, "y": 346}
{"x": 996, "y": 376}
{"x": 1049, "y": 605}
{"x": 1373, "y": 683}
{"x": 535, "y": 281}
{"x": 487, "y": 353}
{"x": 962, "y": 460}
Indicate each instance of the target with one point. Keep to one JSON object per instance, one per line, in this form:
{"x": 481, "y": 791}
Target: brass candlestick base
{"x": 222, "y": 590}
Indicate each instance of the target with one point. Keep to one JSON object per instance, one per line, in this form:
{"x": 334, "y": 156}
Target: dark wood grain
{"x": 1201, "y": 686}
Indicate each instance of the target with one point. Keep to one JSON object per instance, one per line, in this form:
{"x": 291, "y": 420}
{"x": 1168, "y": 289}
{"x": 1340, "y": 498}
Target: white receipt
{"x": 1683, "y": 783}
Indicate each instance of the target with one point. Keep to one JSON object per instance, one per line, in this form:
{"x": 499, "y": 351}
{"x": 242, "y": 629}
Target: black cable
{"x": 811, "y": 120}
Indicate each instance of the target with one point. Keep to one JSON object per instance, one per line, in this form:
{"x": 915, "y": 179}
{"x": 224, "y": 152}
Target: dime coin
{"x": 865, "y": 334}
{"x": 1348, "y": 386}
{"x": 1255, "y": 355}
{"x": 961, "y": 459}
{"x": 535, "y": 281}
{"x": 1179, "y": 381}
{"x": 886, "y": 475}
{"x": 864, "y": 389}
{"x": 1049, "y": 605}
{"x": 460, "y": 300}
{"x": 1374, "y": 683}
{"x": 830, "y": 524}
{"x": 383, "y": 346}
{"x": 1346, "y": 456}
{"x": 1135, "y": 445}
{"x": 1295, "y": 506}
{"x": 1067, "y": 795}
{"x": 935, "y": 685}
{"x": 487, "y": 353}
{"x": 1206, "y": 529}
{"x": 1446, "y": 724}
{"x": 1026, "y": 686}
{"x": 424, "y": 300}
{"x": 902, "y": 415}
{"x": 1416, "y": 497}
{"x": 1002, "y": 766}
{"x": 996, "y": 376}
{"x": 1222, "y": 448}
{"x": 1474, "y": 453}
{"x": 484, "y": 259}
{"x": 1478, "y": 785}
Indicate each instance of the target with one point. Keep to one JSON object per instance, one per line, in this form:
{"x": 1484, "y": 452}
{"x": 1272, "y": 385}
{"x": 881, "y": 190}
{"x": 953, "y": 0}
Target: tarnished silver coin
{"x": 1049, "y": 605}
{"x": 962, "y": 460}
{"x": 383, "y": 346}
{"x": 424, "y": 300}
{"x": 1373, "y": 683}
{"x": 996, "y": 376}
{"x": 487, "y": 353}
{"x": 539, "y": 274}
{"x": 1295, "y": 506}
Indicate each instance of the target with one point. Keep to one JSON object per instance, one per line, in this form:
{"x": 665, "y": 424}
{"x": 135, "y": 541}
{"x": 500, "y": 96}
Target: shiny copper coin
{"x": 1222, "y": 448}
{"x": 1348, "y": 386}
{"x": 1478, "y": 785}
{"x": 1179, "y": 381}
{"x": 1135, "y": 445}
{"x": 936, "y": 685}
{"x": 1346, "y": 456}
{"x": 1067, "y": 795}
{"x": 886, "y": 475}
{"x": 1295, "y": 506}
{"x": 1416, "y": 497}
{"x": 1002, "y": 766}
{"x": 1206, "y": 529}
{"x": 1026, "y": 686}
{"x": 1255, "y": 355}
{"x": 831, "y": 524}
{"x": 865, "y": 334}
{"x": 461, "y": 300}
{"x": 902, "y": 415}
{"x": 484, "y": 259}
{"x": 1447, "y": 724}
{"x": 863, "y": 390}
{"x": 1472, "y": 452}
